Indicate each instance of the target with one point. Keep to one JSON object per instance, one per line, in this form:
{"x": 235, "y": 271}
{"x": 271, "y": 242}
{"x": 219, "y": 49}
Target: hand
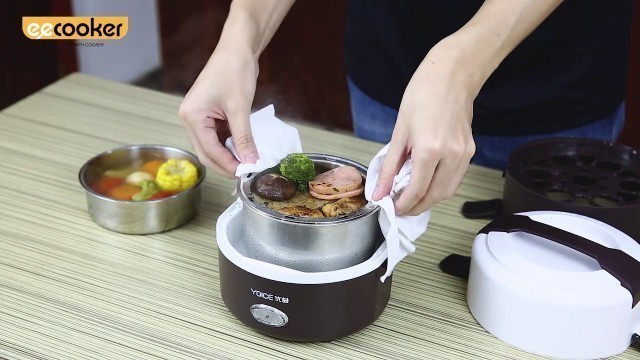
{"x": 218, "y": 105}
{"x": 434, "y": 121}
{"x": 434, "y": 129}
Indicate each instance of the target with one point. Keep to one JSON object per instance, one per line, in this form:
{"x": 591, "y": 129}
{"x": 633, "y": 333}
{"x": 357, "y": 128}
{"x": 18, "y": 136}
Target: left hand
{"x": 434, "y": 129}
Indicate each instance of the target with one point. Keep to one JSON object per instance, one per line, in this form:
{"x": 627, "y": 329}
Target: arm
{"x": 219, "y": 102}
{"x": 251, "y": 24}
{"x": 434, "y": 121}
{"x": 495, "y": 30}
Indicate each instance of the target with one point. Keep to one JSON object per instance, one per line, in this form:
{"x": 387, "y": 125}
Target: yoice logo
{"x": 75, "y": 27}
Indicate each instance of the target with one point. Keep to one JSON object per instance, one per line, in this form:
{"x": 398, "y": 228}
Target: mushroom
{"x": 274, "y": 187}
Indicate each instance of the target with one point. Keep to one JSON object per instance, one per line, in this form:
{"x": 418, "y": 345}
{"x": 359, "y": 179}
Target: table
{"x": 72, "y": 290}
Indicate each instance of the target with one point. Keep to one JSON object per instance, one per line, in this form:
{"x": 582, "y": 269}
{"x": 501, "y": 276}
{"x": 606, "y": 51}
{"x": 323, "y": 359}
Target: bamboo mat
{"x": 72, "y": 290}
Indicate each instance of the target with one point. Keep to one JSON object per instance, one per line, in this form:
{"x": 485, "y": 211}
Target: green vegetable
{"x": 299, "y": 168}
{"x": 149, "y": 188}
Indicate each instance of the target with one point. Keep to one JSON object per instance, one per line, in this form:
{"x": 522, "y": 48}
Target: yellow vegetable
{"x": 176, "y": 175}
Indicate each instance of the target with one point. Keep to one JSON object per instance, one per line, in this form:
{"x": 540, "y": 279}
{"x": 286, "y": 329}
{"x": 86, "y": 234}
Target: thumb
{"x": 390, "y": 167}
{"x": 243, "y": 141}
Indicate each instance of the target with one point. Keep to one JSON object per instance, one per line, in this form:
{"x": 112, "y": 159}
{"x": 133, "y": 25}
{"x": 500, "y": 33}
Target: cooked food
{"x": 336, "y": 181}
{"x": 106, "y": 183}
{"x": 176, "y": 175}
{"x": 155, "y": 179}
{"x": 124, "y": 191}
{"x": 335, "y": 196}
{"x": 332, "y": 193}
{"x": 274, "y": 187}
{"x": 152, "y": 167}
{"x": 344, "y": 206}
{"x": 148, "y": 189}
{"x": 299, "y": 168}
{"x": 341, "y": 182}
{"x": 137, "y": 177}
{"x": 301, "y": 211}
{"x": 300, "y": 198}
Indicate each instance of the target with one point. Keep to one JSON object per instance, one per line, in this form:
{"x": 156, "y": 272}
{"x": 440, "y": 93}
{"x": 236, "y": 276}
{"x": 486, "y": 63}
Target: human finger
{"x": 390, "y": 167}
{"x": 446, "y": 179}
{"x": 212, "y": 145}
{"x": 238, "y": 119}
{"x": 438, "y": 189}
{"x": 204, "y": 157}
{"x": 424, "y": 163}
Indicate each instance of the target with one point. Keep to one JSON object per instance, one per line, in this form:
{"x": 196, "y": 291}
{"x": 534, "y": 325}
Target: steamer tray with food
{"x": 297, "y": 233}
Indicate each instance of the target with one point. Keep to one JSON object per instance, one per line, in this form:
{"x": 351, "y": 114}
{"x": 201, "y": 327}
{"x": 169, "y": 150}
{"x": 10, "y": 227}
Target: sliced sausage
{"x": 336, "y": 181}
{"x": 335, "y": 196}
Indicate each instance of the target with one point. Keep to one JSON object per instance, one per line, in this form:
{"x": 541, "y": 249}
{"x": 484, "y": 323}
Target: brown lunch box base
{"x": 304, "y": 312}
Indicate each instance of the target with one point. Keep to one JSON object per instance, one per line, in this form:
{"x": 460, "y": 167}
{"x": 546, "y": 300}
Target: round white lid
{"x": 540, "y": 260}
{"x": 543, "y": 296}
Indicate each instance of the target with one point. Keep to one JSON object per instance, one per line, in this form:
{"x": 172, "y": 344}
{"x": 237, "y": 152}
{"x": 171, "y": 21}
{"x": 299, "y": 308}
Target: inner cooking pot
{"x": 308, "y": 244}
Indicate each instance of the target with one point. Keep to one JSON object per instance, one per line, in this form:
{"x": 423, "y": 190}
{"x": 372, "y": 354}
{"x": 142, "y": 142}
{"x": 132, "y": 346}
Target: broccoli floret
{"x": 299, "y": 168}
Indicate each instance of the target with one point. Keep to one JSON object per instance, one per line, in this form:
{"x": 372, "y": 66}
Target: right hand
{"x": 218, "y": 105}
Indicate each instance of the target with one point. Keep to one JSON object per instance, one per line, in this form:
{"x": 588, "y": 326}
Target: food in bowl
{"x": 294, "y": 189}
{"x": 339, "y": 183}
{"x": 151, "y": 180}
{"x": 275, "y": 187}
{"x": 111, "y": 205}
{"x": 343, "y": 206}
{"x": 297, "y": 234}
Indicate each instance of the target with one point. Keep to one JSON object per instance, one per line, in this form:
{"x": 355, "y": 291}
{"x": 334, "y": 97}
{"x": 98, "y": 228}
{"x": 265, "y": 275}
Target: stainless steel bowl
{"x": 306, "y": 244}
{"x": 139, "y": 217}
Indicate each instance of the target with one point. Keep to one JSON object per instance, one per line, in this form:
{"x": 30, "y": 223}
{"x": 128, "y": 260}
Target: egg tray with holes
{"x": 595, "y": 178}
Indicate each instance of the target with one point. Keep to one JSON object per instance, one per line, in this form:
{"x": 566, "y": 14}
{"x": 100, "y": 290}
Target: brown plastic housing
{"x": 595, "y": 178}
{"x": 315, "y": 312}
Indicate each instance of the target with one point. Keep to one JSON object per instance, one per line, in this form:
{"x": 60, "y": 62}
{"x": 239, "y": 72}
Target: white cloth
{"x": 275, "y": 140}
{"x": 399, "y": 231}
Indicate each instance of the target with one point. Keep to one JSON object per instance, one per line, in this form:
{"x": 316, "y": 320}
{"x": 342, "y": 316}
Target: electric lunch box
{"x": 302, "y": 279}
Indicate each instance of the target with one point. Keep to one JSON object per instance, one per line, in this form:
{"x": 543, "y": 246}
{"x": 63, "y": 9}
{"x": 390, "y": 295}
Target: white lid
{"x": 549, "y": 299}
{"x": 551, "y": 264}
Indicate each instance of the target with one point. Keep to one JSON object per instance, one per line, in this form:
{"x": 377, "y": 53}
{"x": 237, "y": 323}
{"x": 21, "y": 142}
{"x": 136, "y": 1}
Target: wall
{"x": 631, "y": 132}
{"x": 128, "y": 59}
{"x": 301, "y": 71}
